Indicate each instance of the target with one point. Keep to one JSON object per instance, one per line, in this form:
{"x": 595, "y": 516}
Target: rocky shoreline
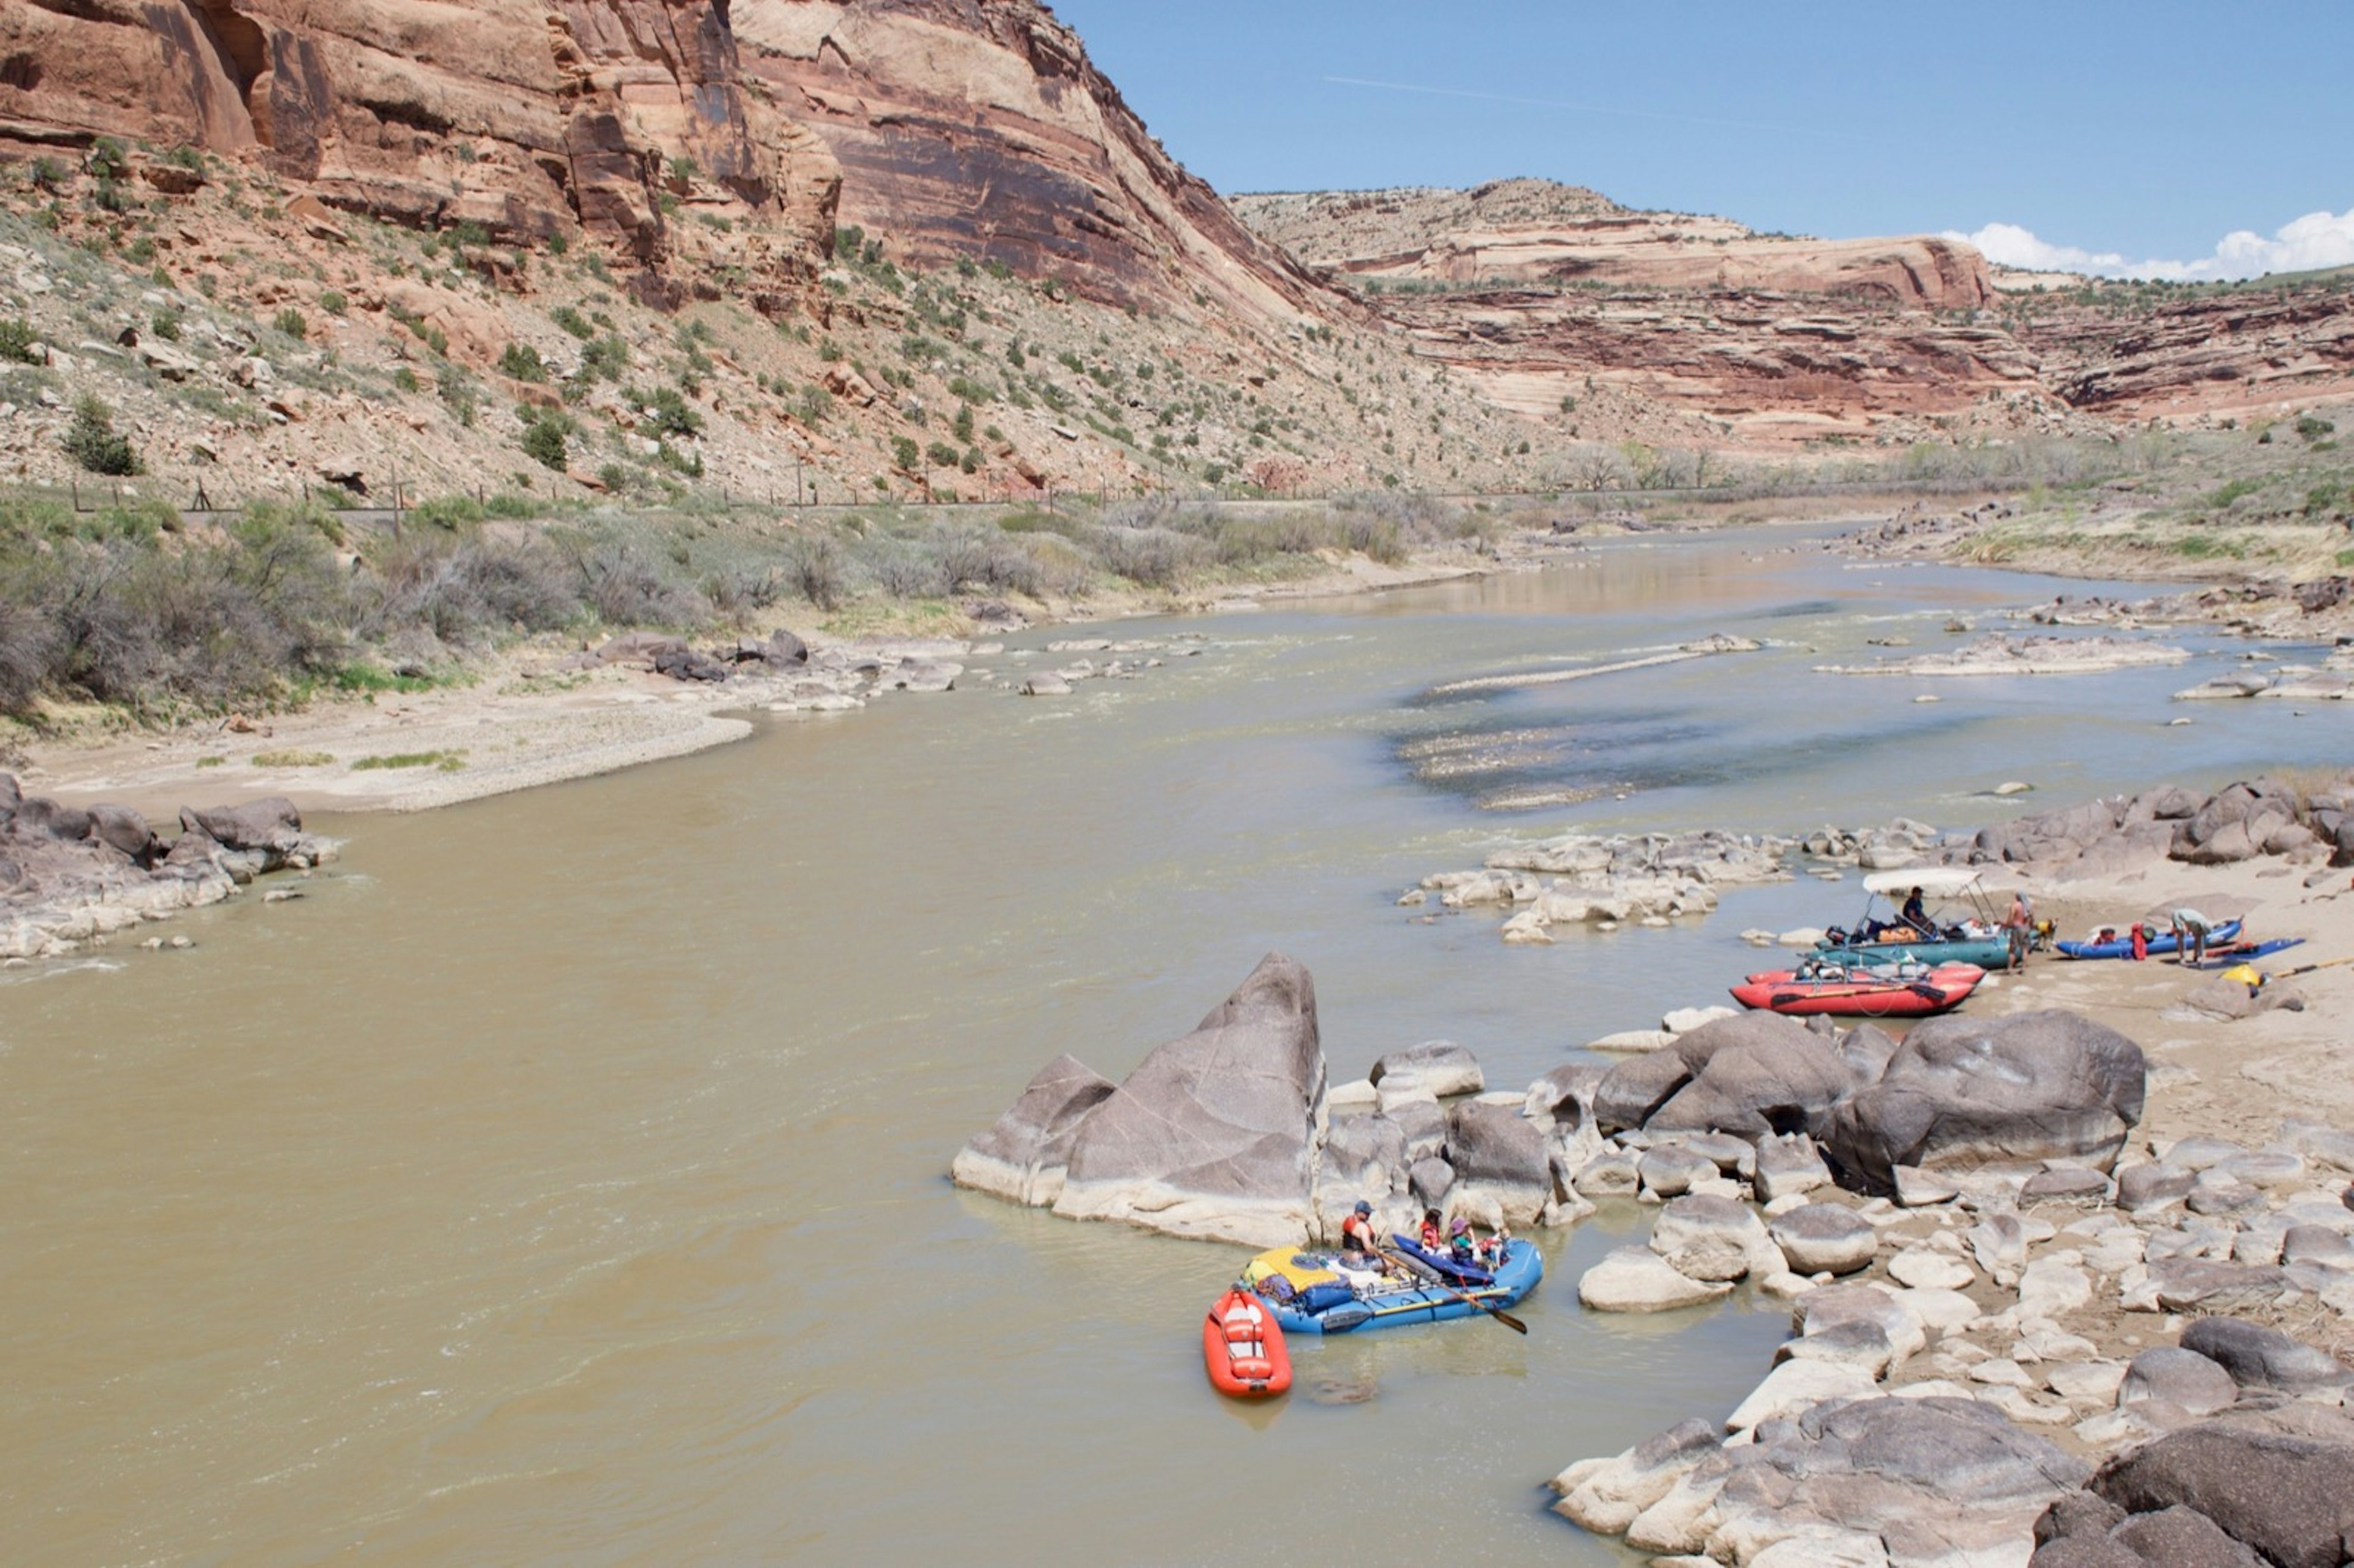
{"x": 69, "y": 878}
{"x": 2026, "y": 1324}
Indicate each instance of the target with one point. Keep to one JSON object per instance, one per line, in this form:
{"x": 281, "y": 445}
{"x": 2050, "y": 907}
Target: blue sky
{"x": 2144, "y": 135}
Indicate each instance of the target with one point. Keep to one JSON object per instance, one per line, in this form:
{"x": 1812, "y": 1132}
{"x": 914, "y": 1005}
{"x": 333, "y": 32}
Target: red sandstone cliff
{"x": 980, "y": 130}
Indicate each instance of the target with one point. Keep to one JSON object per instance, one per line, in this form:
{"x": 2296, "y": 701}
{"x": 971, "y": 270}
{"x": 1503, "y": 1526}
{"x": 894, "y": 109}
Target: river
{"x": 562, "y": 1181}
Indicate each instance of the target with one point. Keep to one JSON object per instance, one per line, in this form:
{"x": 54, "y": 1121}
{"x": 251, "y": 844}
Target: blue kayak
{"x": 2223, "y": 958}
{"x": 2159, "y": 944}
{"x": 1330, "y": 1307}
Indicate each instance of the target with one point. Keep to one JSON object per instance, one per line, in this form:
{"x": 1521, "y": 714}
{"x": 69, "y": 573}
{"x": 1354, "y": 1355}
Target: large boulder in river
{"x": 1503, "y": 1170}
{"x": 1024, "y": 1157}
{"x": 1212, "y": 1134}
{"x": 2028, "y": 1087}
{"x": 268, "y": 824}
{"x": 1440, "y": 1066}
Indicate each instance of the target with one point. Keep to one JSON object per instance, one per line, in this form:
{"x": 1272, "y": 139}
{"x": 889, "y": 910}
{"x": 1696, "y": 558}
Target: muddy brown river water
{"x": 562, "y": 1181}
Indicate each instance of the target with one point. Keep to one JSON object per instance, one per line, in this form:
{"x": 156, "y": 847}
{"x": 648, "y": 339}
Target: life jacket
{"x": 1432, "y": 1240}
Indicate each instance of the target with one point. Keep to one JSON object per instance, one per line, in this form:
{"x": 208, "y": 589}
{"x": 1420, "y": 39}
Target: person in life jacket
{"x": 1433, "y": 1239}
{"x": 1459, "y": 1245}
{"x": 1357, "y": 1234}
{"x": 1491, "y": 1249}
{"x": 2140, "y": 942}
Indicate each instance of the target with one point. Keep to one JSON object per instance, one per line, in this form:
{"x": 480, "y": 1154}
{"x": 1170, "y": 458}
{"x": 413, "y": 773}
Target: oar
{"x": 1497, "y": 1313}
{"x": 2308, "y": 969}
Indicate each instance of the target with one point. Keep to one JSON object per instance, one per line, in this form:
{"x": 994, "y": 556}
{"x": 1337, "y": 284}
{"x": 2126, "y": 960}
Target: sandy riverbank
{"x": 523, "y": 720}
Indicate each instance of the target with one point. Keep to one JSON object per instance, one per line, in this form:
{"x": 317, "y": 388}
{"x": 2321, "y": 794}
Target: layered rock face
{"x": 982, "y": 131}
{"x": 1533, "y": 231}
{"x": 1536, "y": 292}
{"x": 530, "y": 118}
{"x": 2209, "y": 353}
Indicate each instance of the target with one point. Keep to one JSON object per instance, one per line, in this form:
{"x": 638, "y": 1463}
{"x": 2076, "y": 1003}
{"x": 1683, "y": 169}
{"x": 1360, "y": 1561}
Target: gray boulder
{"x": 1671, "y": 1169}
{"x": 1936, "y": 1480}
{"x": 1751, "y": 1075}
{"x": 2258, "y": 1356}
{"x": 37, "y": 817}
{"x": 2289, "y": 1498}
{"x": 2025, "y": 1086}
{"x": 125, "y": 830}
{"x": 1440, "y": 1066}
{"x": 1565, "y": 1097}
{"x": 1708, "y": 1238}
{"x": 1788, "y": 1164}
{"x": 2151, "y": 1184}
{"x": 1825, "y": 1238}
{"x": 1502, "y": 1173}
{"x": 1024, "y": 1157}
{"x": 1211, "y": 1135}
{"x": 1430, "y": 1182}
{"x": 1632, "y": 1090}
{"x": 2183, "y": 1378}
{"x": 1364, "y": 1152}
{"x": 1422, "y": 1122}
{"x": 270, "y": 824}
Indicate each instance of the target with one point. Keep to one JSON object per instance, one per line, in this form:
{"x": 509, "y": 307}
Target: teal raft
{"x": 1312, "y": 1294}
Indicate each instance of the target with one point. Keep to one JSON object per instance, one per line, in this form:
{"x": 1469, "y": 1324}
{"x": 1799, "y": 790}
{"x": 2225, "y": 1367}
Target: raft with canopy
{"x": 1961, "y": 925}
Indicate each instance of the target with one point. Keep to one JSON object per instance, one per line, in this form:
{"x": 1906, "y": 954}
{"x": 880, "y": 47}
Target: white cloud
{"x": 2317, "y": 239}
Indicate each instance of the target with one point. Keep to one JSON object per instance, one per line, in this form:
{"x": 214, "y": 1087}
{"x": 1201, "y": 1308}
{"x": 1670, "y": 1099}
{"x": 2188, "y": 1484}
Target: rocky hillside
{"x": 1544, "y": 295}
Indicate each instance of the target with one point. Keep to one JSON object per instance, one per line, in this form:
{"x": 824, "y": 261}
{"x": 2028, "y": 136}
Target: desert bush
{"x": 620, "y": 583}
{"x": 92, "y": 441}
{"x": 290, "y": 322}
{"x": 16, "y": 340}
{"x": 816, "y": 569}
{"x": 544, "y": 443}
{"x": 470, "y": 592}
{"x": 1150, "y": 556}
{"x": 521, "y": 361}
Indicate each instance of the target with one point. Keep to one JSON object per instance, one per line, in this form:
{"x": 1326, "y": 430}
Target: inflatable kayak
{"x": 1242, "y": 1345}
{"x": 1312, "y": 1293}
{"x": 2157, "y": 944}
{"x": 1858, "y": 992}
{"x": 2232, "y": 953}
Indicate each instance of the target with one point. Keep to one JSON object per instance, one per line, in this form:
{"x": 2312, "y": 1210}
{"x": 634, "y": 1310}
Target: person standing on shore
{"x": 2018, "y": 925}
{"x": 2190, "y": 924}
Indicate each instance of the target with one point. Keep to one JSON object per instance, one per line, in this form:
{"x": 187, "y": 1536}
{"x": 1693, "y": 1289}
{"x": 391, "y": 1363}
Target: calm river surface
{"x": 563, "y": 1180}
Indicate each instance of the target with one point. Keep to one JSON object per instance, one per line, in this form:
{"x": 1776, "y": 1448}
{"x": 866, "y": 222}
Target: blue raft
{"x": 2159, "y": 944}
{"x": 1312, "y": 1297}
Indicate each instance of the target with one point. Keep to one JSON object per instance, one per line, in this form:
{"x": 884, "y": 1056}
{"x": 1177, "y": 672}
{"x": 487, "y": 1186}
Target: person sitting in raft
{"x": 1459, "y": 1245}
{"x": 1916, "y": 914}
{"x": 2192, "y": 927}
{"x": 1433, "y": 1239}
{"x": 1491, "y": 1250}
{"x": 1358, "y": 1238}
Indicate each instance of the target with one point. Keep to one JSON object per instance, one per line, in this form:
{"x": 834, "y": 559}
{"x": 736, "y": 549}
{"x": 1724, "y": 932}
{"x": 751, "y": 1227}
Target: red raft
{"x": 1242, "y": 1345}
{"x": 1858, "y": 992}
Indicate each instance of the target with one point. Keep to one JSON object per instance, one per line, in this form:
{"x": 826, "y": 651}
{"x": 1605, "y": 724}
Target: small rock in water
{"x": 2013, "y": 786}
{"x": 1414, "y": 899}
{"x": 1928, "y": 697}
{"x": 2176, "y": 724}
{"x": 280, "y": 895}
{"x": 181, "y": 943}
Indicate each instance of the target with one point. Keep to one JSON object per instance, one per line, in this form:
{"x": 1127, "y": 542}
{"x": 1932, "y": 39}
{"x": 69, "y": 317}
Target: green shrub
{"x": 571, "y": 321}
{"x": 406, "y": 379}
{"x": 544, "y": 443}
{"x": 442, "y": 761}
{"x": 334, "y": 303}
{"x": 450, "y": 512}
{"x": 290, "y": 321}
{"x": 605, "y": 358}
{"x": 165, "y": 324}
{"x": 2313, "y": 427}
{"x": 669, "y": 413}
{"x": 941, "y": 454}
{"x": 905, "y": 453}
{"x": 92, "y": 441}
{"x": 16, "y": 340}
{"x": 521, "y": 361}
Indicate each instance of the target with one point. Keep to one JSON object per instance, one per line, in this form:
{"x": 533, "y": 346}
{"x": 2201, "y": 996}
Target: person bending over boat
{"x": 2191, "y": 927}
{"x": 2018, "y": 924}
